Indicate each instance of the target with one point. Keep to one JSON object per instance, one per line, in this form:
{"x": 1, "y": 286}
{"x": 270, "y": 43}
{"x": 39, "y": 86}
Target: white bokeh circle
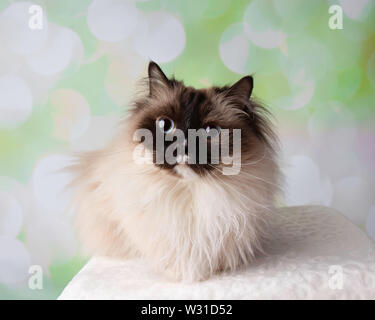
{"x": 161, "y": 37}
{"x": 10, "y": 215}
{"x": 242, "y": 56}
{"x": 70, "y": 113}
{"x": 50, "y": 240}
{"x": 112, "y": 20}
{"x": 356, "y": 9}
{"x": 40, "y": 85}
{"x": 16, "y": 101}
{"x": 57, "y": 53}
{"x": 23, "y": 197}
{"x": 93, "y": 138}
{"x": 234, "y": 48}
{"x": 50, "y": 180}
{"x": 14, "y": 260}
{"x": 304, "y": 184}
{"x": 15, "y": 31}
{"x": 262, "y": 25}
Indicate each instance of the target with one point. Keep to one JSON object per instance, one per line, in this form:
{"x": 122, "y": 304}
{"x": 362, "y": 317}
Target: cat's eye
{"x": 213, "y": 133}
{"x": 165, "y": 124}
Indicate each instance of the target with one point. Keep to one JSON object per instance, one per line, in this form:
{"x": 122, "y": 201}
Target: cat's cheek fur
{"x": 188, "y": 228}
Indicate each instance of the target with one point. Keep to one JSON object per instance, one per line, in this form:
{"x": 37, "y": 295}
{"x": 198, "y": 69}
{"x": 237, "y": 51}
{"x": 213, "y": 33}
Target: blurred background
{"x": 67, "y": 73}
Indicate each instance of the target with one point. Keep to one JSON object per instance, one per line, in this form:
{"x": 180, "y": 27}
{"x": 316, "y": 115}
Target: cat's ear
{"x": 157, "y": 79}
{"x": 242, "y": 88}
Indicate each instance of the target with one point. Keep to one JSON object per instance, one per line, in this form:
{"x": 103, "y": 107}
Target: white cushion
{"x": 315, "y": 253}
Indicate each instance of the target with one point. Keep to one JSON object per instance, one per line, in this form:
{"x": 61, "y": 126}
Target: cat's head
{"x": 227, "y": 116}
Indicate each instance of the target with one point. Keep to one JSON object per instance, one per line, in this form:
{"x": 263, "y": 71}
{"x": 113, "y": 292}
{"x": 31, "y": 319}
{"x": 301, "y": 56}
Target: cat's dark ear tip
{"x": 156, "y": 76}
{"x": 155, "y": 71}
{"x": 250, "y": 79}
{"x": 152, "y": 65}
{"x": 242, "y": 87}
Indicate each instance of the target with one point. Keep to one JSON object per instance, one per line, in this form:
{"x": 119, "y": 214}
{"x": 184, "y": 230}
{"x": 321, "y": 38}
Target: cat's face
{"x": 170, "y": 106}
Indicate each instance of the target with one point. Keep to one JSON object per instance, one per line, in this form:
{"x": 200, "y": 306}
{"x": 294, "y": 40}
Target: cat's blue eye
{"x": 165, "y": 124}
{"x": 213, "y": 133}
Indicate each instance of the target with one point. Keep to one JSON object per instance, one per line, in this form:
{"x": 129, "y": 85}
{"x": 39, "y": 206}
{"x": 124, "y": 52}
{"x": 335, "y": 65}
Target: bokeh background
{"x": 64, "y": 87}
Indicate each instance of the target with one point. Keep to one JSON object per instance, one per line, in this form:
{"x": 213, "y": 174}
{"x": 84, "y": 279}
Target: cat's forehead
{"x": 204, "y": 105}
{"x": 186, "y": 102}
{"x": 190, "y": 108}
{"x": 191, "y": 99}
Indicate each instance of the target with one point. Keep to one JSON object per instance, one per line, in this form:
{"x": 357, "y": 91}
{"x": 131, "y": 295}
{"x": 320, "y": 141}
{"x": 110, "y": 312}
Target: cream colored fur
{"x": 189, "y": 228}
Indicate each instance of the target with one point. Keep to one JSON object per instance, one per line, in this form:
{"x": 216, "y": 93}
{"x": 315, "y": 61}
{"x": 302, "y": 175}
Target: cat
{"x": 189, "y": 221}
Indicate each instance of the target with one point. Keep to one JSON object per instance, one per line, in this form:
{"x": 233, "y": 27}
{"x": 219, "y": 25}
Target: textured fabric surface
{"x": 314, "y": 253}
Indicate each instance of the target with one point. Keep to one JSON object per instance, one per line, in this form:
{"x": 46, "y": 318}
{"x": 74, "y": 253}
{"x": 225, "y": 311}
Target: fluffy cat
{"x": 188, "y": 220}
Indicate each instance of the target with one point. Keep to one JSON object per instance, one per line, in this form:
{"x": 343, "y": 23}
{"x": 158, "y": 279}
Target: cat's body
{"x": 190, "y": 223}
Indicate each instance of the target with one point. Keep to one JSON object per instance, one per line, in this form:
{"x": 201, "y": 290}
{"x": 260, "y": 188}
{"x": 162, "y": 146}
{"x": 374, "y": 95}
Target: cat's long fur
{"x": 190, "y": 228}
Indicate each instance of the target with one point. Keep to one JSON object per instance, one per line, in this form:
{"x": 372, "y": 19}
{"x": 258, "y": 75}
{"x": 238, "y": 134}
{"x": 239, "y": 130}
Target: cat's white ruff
{"x": 308, "y": 244}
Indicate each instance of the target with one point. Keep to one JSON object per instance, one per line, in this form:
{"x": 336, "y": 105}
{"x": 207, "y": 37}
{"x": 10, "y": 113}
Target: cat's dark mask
{"x": 172, "y": 105}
